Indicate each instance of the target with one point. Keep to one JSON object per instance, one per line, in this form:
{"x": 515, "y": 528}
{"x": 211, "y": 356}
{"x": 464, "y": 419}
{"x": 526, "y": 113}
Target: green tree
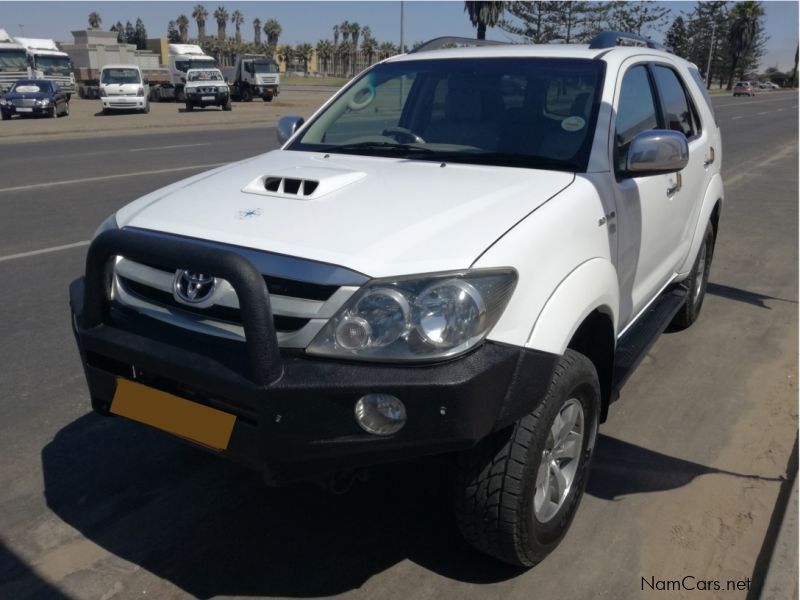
{"x": 576, "y": 23}
{"x": 286, "y": 55}
{"x": 336, "y": 35}
{"x": 707, "y": 31}
{"x": 794, "y": 71}
{"x": 237, "y": 18}
{"x": 120, "y": 29}
{"x": 140, "y": 35}
{"x": 183, "y": 28}
{"x": 199, "y": 14}
{"x": 368, "y": 45}
{"x": 273, "y": 30}
{"x": 172, "y": 33}
{"x": 744, "y": 36}
{"x": 637, "y": 17}
{"x": 677, "y": 38}
{"x": 257, "y": 31}
{"x": 535, "y": 22}
{"x": 94, "y": 20}
{"x": 386, "y": 49}
{"x": 130, "y": 33}
{"x": 483, "y": 15}
{"x": 304, "y": 52}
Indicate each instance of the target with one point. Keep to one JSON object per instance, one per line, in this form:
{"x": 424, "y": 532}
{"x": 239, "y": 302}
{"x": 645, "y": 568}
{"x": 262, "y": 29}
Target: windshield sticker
{"x": 573, "y": 124}
{"x": 27, "y": 89}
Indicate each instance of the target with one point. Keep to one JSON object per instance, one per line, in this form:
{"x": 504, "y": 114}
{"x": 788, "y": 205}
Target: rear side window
{"x": 636, "y": 111}
{"x": 702, "y": 85}
{"x": 674, "y": 103}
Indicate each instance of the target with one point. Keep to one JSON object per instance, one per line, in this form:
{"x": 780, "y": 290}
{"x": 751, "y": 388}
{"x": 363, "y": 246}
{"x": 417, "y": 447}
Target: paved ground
{"x": 688, "y": 473}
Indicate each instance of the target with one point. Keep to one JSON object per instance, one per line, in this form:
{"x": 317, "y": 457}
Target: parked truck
{"x": 46, "y": 61}
{"x": 13, "y": 61}
{"x": 182, "y": 57}
{"x": 253, "y": 75}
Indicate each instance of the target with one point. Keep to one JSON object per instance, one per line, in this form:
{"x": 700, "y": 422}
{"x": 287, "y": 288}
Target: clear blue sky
{"x": 312, "y": 21}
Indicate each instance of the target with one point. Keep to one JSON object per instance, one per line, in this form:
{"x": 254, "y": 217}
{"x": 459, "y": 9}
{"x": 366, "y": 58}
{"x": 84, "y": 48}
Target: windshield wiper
{"x": 390, "y": 147}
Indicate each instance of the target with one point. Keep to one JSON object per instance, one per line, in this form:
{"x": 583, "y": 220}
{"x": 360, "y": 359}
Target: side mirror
{"x": 657, "y": 151}
{"x": 287, "y": 126}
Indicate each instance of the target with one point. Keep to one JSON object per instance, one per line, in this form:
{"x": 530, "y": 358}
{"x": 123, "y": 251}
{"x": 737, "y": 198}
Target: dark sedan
{"x": 34, "y": 97}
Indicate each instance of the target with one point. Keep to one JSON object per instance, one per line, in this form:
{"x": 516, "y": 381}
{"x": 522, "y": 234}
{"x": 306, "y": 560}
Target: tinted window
{"x": 702, "y": 85}
{"x": 636, "y": 111}
{"x": 677, "y": 112}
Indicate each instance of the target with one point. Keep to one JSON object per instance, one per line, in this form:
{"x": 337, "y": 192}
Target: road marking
{"x": 169, "y": 147}
{"x": 780, "y": 109}
{"x": 34, "y": 186}
{"x": 764, "y": 112}
{"x": 749, "y": 102}
{"x": 739, "y": 117}
{"x": 44, "y": 251}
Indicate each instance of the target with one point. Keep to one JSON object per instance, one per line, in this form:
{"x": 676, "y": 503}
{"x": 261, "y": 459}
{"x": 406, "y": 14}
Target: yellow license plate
{"x": 195, "y": 422}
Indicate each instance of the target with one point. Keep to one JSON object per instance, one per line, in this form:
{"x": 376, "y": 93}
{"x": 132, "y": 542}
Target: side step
{"x": 637, "y": 341}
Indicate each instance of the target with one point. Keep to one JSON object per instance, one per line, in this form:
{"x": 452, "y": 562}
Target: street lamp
{"x": 710, "y": 53}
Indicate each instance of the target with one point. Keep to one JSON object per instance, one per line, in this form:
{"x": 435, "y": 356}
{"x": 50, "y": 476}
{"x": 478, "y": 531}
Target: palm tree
{"x": 336, "y": 35}
{"x": 237, "y": 18}
{"x": 94, "y": 20}
{"x": 483, "y": 14}
{"x": 324, "y": 52}
{"x": 368, "y": 45}
{"x": 199, "y": 14}
{"x": 744, "y": 28}
{"x": 386, "y": 49}
{"x": 285, "y": 55}
{"x": 221, "y": 15}
{"x": 355, "y": 30}
{"x": 344, "y": 29}
{"x": 257, "y": 31}
{"x": 273, "y": 30}
{"x": 304, "y": 52}
{"x": 183, "y": 27}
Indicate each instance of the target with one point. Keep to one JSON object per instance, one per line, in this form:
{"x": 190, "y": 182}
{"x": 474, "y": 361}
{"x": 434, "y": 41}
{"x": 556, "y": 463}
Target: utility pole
{"x": 401, "y": 26}
{"x": 710, "y": 53}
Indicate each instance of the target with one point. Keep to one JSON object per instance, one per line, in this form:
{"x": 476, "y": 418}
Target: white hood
{"x": 379, "y": 216}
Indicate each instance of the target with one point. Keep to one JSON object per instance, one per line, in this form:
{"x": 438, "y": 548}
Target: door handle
{"x": 676, "y": 186}
{"x": 710, "y": 159}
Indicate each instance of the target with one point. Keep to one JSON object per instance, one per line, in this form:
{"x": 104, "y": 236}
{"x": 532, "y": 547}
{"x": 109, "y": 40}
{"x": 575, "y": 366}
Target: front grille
{"x": 218, "y": 313}
{"x": 24, "y": 103}
{"x": 300, "y": 309}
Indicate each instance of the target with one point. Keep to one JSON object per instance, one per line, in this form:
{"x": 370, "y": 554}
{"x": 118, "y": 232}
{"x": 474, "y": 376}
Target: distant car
{"x": 744, "y": 88}
{"x": 768, "y": 85}
{"x": 122, "y": 87}
{"x": 34, "y": 97}
{"x": 206, "y": 87}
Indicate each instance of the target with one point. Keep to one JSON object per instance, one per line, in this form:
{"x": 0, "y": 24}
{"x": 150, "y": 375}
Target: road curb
{"x": 781, "y": 578}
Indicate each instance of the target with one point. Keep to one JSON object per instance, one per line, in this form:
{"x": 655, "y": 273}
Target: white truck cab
{"x": 122, "y": 87}
{"x": 48, "y": 62}
{"x": 465, "y": 251}
{"x": 13, "y": 62}
{"x": 183, "y": 57}
{"x": 255, "y": 76}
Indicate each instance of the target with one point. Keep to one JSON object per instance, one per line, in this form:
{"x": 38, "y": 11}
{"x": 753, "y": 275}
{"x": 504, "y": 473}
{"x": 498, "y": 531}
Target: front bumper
{"x": 124, "y": 102}
{"x": 202, "y": 99}
{"x": 294, "y": 414}
{"x": 266, "y": 90}
{"x": 28, "y": 110}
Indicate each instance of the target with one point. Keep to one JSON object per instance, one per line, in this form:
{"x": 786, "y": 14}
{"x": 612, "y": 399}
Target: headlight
{"x": 109, "y": 223}
{"x": 3, "y": 102}
{"x": 43, "y": 102}
{"x": 140, "y": 92}
{"x": 417, "y": 318}
{"x": 102, "y": 92}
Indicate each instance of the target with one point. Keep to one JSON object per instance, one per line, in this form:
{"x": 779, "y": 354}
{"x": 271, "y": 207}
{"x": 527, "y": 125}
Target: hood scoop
{"x": 302, "y": 183}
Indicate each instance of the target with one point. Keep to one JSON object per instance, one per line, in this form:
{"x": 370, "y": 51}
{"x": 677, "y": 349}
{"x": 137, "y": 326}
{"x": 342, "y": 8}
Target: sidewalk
{"x": 781, "y": 580}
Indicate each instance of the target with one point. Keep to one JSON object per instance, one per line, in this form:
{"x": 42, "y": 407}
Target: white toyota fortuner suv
{"x": 465, "y": 251}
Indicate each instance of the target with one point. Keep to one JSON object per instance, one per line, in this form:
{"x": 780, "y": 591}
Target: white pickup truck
{"x": 464, "y": 251}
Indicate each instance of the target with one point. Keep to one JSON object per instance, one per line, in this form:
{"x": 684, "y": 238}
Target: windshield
{"x": 265, "y": 67}
{"x": 205, "y": 76}
{"x": 13, "y": 60}
{"x": 31, "y": 87}
{"x": 526, "y": 112}
{"x": 120, "y": 76}
{"x": 53, "y": 65}
{"x": 185, "y": 65}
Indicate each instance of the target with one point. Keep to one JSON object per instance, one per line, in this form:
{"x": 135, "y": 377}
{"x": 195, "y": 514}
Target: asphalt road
{"x": 688, "y": 472}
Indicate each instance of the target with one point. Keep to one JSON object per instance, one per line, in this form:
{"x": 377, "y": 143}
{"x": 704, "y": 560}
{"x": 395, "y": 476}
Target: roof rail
{"x": 610, "y": 39}
{"x": 450, "y": 41}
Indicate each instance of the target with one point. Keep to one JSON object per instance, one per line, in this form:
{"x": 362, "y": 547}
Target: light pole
{"x": 710, "y": 53}
{"x": 401, "y": 26}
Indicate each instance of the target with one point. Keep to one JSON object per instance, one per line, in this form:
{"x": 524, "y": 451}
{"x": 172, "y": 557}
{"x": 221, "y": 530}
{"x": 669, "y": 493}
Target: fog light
{"x": 380, "y": 414}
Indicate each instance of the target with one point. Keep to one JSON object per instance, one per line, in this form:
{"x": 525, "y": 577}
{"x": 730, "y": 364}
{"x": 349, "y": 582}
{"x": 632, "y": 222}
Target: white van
{"x": 122, "y": 87}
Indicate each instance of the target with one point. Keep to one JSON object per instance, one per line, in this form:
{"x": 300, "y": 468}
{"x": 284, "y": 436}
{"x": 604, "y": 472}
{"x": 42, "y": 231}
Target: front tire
{"x": 189, "y": 107}
{"x": 696, "y": 283}
{"x": 518, "y": 489}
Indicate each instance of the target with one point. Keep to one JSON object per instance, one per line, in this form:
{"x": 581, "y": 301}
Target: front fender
{"x": 591, "y": 286}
